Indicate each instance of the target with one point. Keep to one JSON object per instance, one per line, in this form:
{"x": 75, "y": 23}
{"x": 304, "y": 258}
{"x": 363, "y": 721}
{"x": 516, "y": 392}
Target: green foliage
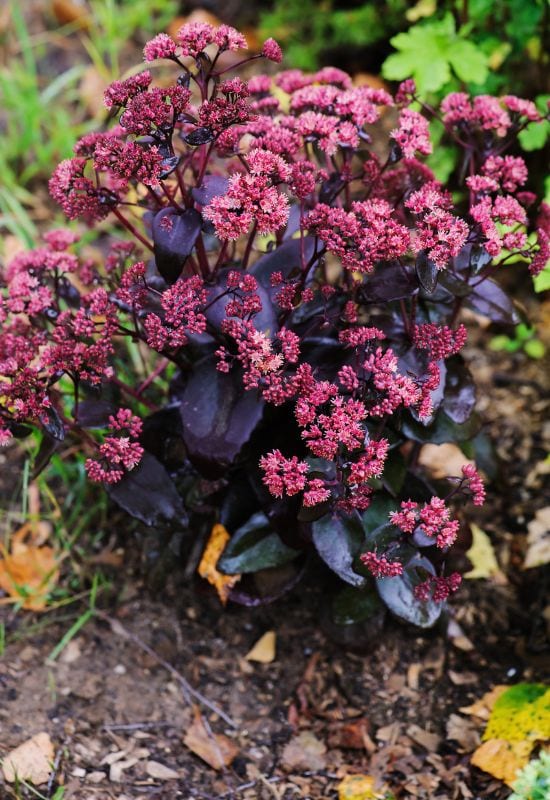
{"x": 535, "y": 136}
{"x": 533, "y": 782}
{"x": 524, "y": 339}
{"x": 432, "y": 53}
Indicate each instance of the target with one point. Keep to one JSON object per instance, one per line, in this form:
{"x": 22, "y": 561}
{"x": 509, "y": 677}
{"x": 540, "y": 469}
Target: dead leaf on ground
{"x": 215, "y": 749}
{"x": 442, "y": 460}
{"x": 264, "y": 649}
{"x": 31, "y": 761}
{"x": 68, "y": 12}
{"x": 429, "y": 741}
{"x": 360, "y": 787}
{"x": 352, "y": 735}
{"x": 463, "y": 678}
{"x": 304, "y": 751}
{"x": 482, "y": 708}
{"x": 160, "y": 771}
{"x": 207, "y": 568}
{"x": 464, "y": 732}
{"x": 28, "y": 571}
{"x": 538, "y": 540}
{"x": 482, "y": 556}
{"x": 502, "y": 759}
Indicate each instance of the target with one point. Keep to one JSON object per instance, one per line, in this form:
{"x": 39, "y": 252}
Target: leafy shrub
{"x": 533, "y": 782}
{"x": 302, "y": 297}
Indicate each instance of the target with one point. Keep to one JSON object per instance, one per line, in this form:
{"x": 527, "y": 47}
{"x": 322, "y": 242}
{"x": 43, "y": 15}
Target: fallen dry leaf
{"x": 68, "y": 12}
{"x": 429, "y": 741}
{"x": 207, "y": 568}
{"x": 215, "y": 749}
{"x": 501, "y": 758}
{"x": 482, "y": 556}
{"x": 116, "y": 770}
{"x": 28, "y": 572}
{"x": 359, "y": 787}
{"x": 352, "y": 735}
{"x": 462, "y": 678}
{"x": 304, "y": 752}
{"x": 482, "y": 708}
{"x": 538, "y": 540}
{"x": 442, "y": 460}
{"x": 160, "y": 772}
{"x": 31, "y": 761}
{"x": 264, "y": 649}
{"x": 464, "y": 732}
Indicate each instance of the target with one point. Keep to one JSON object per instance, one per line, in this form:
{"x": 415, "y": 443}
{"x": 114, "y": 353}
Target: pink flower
{"x": 283, "y": 475}
{"x": 413, "y": 134}
{"x": 194, "y": 37}
{"x": 249, "y": 199}
{"x": 380, "y": 566}
{"x": 438, "y": 588}
{"x": 228, "y": 38}
{"x": 439, "y": 340}
{"x": 161, "y": 46}
{"x": 272, "y": 51}
{"x": 475, "y": 484}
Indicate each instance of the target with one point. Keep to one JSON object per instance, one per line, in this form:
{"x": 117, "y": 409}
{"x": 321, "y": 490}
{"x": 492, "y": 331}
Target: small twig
{"x": 136, "y": 726}
{"x": 188, "y": 690}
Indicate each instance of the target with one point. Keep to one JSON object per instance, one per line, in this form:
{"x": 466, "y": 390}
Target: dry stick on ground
{"x": 188, "y": 690}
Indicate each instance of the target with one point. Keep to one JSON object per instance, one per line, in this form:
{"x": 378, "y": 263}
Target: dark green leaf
{"x": 352, "y": 605}
{"x": 339, "y": 541}
{"x": 398, "y": 594}
{"x": 255, "y": 546}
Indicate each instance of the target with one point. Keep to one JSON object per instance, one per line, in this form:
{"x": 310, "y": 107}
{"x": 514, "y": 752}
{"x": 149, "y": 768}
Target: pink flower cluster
{"x": 438, "y": 587}
{"x": 118, "y": 453}
{"x": 433, "y": 519}
{"x": 289, "y": 475}
{"x": 441, "y": 234}
{"x": 380, "y": 566}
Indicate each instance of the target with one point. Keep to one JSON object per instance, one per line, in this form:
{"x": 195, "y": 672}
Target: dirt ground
{"x": 116, "y": 703}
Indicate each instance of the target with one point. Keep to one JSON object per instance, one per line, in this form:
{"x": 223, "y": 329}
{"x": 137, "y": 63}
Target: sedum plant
{"x": 300, "y": 295}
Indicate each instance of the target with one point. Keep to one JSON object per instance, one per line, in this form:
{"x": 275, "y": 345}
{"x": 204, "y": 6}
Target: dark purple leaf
{"x": 479, "y": 258}
{"x": 426, "y": 272}
{"x": 266, "y": 586}
{"x": 293, "y": 224}
{"x": 174, "y": 236}
{"x": 218, "y": 416}
{"x": 148, "y": 493}
{"x": 442, "y": 429}
{"x": 489, "y": 299}
{"x": 398, "y": 594}
{"x": 285, "y": 259}
{"x": 212, "y": 186}
{"x": 339, "y": 541}
{"x": 460, "y": 392}
{"x": 330, "y": 188}
{"x": 415, "y": 364}
{"x": 199, "y": 136}
{"x": 265, "y": 320}
{"x": 47, "y": 448}
{"x": 162, "y": 437}
{"x": 94, "y": 413}
{"x": 255, "y": 546}
{"x": 390, "y": 281}
{"x": 169, "y": 164}
{"x": 53, "y": 424}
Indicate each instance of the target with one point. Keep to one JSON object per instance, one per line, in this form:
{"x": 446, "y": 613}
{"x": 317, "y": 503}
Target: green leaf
{"x": 339, "y": 541}
{"x": 469, "y": 63}
{"x": 398, "y": 594}
{"x": 534, "y": 136}
{"x": 534, "y": 348}
{"x": 255, "y": 546}
{"x": 542, "y": 281}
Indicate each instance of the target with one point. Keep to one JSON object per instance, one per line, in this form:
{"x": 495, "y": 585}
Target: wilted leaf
{"x": 208, "y": 564}
{"x": 482, "y": 556}
{"x": 215, "y": 749}
{"x": 31, "y": 761}
{"x": 482, "y": 708}
{"x": 28, "y": 572}
{"x": 160, "y": 772}
{"x": 264, "y": 649}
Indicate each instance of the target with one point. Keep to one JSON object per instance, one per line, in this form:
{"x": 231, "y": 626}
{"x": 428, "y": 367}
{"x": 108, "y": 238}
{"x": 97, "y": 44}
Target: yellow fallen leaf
{"x": 31, "y": 761}
{"x": 207, "y": 568}
{"x": 28, "y": 572}
{"x": 482, "y": 708}
{"x": 360, "y": 787}
{"x": 264, "y": 649}
{"x": 215, "y": 749}
{"x": 482, "y": 556}
{"x": 502, "y": 759}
